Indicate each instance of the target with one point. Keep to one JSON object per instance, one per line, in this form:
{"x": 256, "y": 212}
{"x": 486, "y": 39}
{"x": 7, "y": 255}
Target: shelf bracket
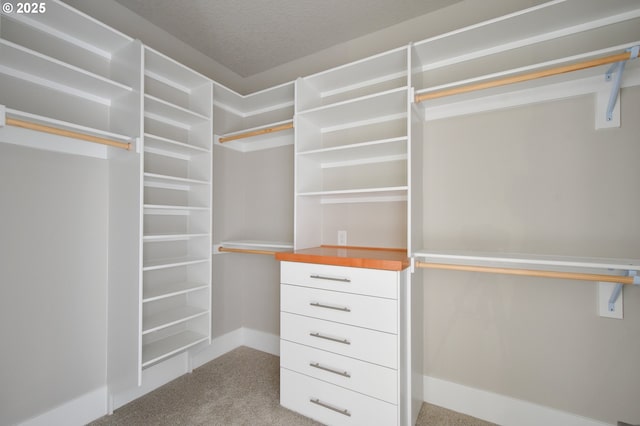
{"x": 614, "y": 297}
{"x": 618, "y": 69}
{"x": 617, "y": 290}
{"x": 3, "y": 114}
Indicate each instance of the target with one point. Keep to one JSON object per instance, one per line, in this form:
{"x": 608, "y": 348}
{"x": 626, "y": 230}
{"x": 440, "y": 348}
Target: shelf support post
{"x": 618, "y": 68}
{"x": 3, "y": 114}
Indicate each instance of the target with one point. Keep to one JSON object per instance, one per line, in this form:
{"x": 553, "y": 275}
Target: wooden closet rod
{"x": 66, "y": 133}
{"x": 256, "y": 132}
{"x": 246, "y": 251}
{"x": 524, "y": 77}
{"x": 530, "y": 272}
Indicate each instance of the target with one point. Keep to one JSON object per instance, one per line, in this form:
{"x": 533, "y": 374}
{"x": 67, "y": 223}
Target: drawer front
{"x": 371, "y": 282}
{"x": 361, "y": 343}
{"x": 364, "y": 311}
{"x": 331, "y": 404}
{"x": 369, "y": 379}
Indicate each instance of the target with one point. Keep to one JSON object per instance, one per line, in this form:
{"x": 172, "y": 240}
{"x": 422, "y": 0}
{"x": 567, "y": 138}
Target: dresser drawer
{"x": 364, "y": 311}
{"x": 361, "y": 343}
{"x": 364, "y": 377}
{"x": 371, "y": 282}
{"x": 331, "y": 404}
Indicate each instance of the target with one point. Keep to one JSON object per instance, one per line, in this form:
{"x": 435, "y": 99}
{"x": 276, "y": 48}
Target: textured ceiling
{"x": 251, "y": 36}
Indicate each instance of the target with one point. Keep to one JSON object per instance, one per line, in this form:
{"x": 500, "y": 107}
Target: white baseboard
{"x": 219, "y": 346}
{"x": 161, "y": 374}
{"x": 78, "y": 411}
{"x": 265, "y": 342}
{"x": 482, "y": 404}
{"x": 93, "y": 405}
{"x": 152, "y": 378}
{"x": 499, "y": 409}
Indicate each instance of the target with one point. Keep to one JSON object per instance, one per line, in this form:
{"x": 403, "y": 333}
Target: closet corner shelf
{"x": 389, "y": 259}
{"x": 252, "y": 247}
{"x": 566, "y": 267}
{"x": 262, "y": 137}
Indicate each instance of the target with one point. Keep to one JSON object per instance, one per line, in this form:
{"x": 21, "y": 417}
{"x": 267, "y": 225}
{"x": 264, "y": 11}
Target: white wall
{"x": 253, "y": 199}
{"x": 536, "y": 179}
{"x": 53, "y": 279}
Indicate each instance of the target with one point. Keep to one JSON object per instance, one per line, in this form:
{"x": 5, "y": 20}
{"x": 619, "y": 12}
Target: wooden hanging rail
{"x": 259, "y": 132}
{"x": 66, "y": 133}
{"x": 524, "y": 77}
{"x": 246, "y": 251}
{"x": 531, "y": 272}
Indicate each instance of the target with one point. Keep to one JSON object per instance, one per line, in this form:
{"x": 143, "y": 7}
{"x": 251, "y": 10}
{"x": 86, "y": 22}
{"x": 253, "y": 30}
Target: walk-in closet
{"x": 438, "y": 213}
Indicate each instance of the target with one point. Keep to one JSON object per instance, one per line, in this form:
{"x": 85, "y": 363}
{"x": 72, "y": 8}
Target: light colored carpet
{"x": 238, "y": 388}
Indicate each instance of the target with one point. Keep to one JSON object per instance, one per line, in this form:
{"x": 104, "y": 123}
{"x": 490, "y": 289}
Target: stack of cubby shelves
{"x": 352, "y": 149}
{"x": 176, "y": 290}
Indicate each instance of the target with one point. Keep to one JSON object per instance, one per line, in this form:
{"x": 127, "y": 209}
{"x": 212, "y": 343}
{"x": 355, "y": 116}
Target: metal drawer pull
{"x": 343, "y": 411}
{"x": 333, "y": 339}
{"x": 323, "y": 277}
{"x": 337, "y": 308}
{"x": 330, "y": 370}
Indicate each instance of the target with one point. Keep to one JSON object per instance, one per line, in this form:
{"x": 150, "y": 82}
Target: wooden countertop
{"x": 357, "y": 257}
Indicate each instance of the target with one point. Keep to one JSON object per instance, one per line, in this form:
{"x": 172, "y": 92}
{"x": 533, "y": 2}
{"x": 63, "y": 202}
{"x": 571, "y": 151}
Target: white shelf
{"x": 37, "y": 68}
{"x": 156, "y": 351}
{"x": 390, "y": 194}
{"x": 392, "y": 149}
{"x": 264, "y": 101}
{"x": 258, "y": 142}
{"x": 257, "y": 111}
{"x": 575, "y": 75}
{"x": 258, "y": 245}
{"x": 460, "y": 257}
{"x": 380, "y": 67}
{"x": 166, "y": 112}
{"x": 170, "y": 147}
{"x": 41, "y": 140}
{"x": 156, "y": 209}
{"x": 353, "y": 76}
{"x": 359, "y": 111}
{"x": 47, "y": 121}
{"x": 533, "y": 25}
{"x": 171, "y": 237}
{"x": 161, "y": 291}
{"x": 152, "y": 265}
{"x": 86, "y": 32}
{"x": 171, "y": 317}
{"x": 162, "y": 68}
{"x": 171, "y": 182}
{"x": 173, "y": 207}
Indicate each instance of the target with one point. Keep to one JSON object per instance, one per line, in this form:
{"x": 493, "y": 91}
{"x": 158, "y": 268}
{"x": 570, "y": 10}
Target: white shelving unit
{"x": 176, "y": 282}
{"x": 551, "y": 34}
{"x": 352, "y": 130}
{"x": 261, "y": 120}
{"x": 77, "y": 77}
{"x": 247, "y": 123}
{"x": 65, "y": 70}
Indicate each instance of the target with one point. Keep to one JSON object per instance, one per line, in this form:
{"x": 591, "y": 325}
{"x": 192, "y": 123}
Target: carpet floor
{"x": 239, "y": 388}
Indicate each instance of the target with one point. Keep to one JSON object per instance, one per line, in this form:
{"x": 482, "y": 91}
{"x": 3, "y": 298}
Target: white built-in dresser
{"x": 344, "y": 351}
